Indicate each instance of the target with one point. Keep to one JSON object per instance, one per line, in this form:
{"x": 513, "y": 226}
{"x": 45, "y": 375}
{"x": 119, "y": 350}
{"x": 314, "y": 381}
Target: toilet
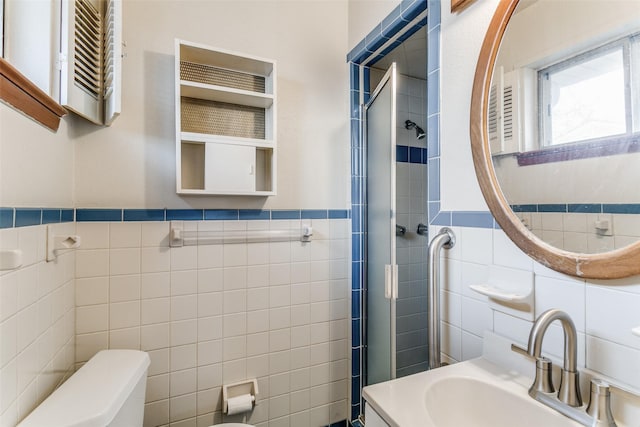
{"x": 107, "y": 391}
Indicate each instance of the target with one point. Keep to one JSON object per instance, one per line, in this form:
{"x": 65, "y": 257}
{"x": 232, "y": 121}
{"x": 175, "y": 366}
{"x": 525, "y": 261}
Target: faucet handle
{"x": 521, "y": 350}
{"x": 543, "y": 381}
{"x": 600, "y": 404}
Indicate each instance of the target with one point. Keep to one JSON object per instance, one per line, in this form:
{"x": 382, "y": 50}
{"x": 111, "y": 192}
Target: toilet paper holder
{"x": 249, "y": 387}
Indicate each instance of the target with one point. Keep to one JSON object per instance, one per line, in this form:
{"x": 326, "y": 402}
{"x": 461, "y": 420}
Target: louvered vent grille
{"x": 87, "y": 54}
{"x": 493, "y": 111}
{"x": 220, "y": 118}
{"x": 508, "y": 112}
{"x": 220, "y": 77}
{"x": 109, "y": 45}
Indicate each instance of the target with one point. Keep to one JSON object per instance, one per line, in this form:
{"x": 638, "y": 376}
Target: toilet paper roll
{"x": 239, "y": 404}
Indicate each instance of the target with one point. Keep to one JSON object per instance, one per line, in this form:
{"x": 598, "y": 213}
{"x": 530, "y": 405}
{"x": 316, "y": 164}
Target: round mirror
{"x": 555, "y": 132}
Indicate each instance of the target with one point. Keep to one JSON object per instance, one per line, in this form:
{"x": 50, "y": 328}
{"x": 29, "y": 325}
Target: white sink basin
{"x": 465, "y": 401}
{"x": 474, "y": 393}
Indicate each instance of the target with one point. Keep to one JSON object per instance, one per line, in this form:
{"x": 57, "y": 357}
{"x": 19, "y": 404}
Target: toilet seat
{"x": 232, "y": 425}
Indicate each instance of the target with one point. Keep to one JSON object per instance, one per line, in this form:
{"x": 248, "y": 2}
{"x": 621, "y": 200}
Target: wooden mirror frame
{"x": 20, "y": 93}
{"x": 618, "y": 263}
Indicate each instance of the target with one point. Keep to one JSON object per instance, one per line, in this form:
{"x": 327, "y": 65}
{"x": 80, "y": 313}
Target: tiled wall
{"x": 360, "y": 57}
{"x": 411, "y": 196}
{"x": 215, "y": 314}
{"x": 37, "y": 315}
{"x": 604, "y": 312}
{"x": 577, "y": 232}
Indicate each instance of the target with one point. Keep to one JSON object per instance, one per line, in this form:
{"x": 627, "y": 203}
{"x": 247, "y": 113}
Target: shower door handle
{"x": 391, "y": 281}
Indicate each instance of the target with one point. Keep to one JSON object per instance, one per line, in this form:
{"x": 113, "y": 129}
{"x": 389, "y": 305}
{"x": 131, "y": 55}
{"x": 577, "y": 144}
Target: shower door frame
{"x": 391, "y": 281}
{"x": 405, "y": 19}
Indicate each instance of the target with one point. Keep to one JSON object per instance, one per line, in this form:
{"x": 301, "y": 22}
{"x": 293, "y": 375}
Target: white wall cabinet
{"x": 225, "y": 122}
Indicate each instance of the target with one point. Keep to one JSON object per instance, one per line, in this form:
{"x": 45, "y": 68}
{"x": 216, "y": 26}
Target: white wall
{"x": 461, "y": 37}
{"x": 36, "y": 165}
{"x": 609, "y": 179}
{"x": 604, "y": 311}
{"x": 131, "y": 164}
{"x": 364, "y": 15}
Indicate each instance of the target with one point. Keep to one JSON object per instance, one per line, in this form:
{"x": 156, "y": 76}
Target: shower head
{"x": 412, "y": 125}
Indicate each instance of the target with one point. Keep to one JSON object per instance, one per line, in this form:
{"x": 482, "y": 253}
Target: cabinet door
{"x": 372, "y": 417}
{"x": 230, "y": 168}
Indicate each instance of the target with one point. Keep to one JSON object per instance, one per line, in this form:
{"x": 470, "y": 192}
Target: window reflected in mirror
{"x": 584, "y": 97}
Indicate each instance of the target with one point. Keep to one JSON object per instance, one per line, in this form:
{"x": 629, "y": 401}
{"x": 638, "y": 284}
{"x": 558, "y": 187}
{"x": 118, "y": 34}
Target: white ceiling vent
{"x": 90, "y": 58}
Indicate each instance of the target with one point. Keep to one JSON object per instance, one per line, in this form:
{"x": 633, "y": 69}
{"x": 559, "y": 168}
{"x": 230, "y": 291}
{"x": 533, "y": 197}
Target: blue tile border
{"x": 524, "y": 208}
{"x": 584, "y": 208}
{"x": 23, "y": 217}
{"x": 613, "y": 208}
{"x": 402, "y": 153}
{"x": 185, "y": 214}
{"x": 472, "y": 219}
{"x": 254, "y": 214}
{"x": 290, "y": 214}
{"x": 338, "y": 214}
{"x": 6, "y": 217}
{"x": 631, "y": 208}
{"x": 51, "y": 216}
{"x": 552, "y": 208}
{"x": 314, "y": 214}
{"x": 28, "y": 216}
{"x": 68, "y": 215}
{"x": 89, "y": 215}
{"x": 390, "y": 26}
{"x": 143, "y": 215}
{"x": 221, "y": 214}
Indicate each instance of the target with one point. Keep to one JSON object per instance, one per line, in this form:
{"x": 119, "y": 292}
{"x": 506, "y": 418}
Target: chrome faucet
{"x": 568, "y": 400}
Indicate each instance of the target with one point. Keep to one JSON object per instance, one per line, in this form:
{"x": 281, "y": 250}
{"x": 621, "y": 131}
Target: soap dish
{"x": 500, "y": 294}
{"x": 510, "y": 291}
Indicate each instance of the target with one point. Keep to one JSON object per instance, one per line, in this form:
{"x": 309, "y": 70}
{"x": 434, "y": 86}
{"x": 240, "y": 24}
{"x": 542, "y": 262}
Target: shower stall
{"x": 395, "y": 155}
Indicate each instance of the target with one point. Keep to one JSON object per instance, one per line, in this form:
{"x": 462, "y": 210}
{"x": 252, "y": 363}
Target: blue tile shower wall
{"x": 388, "y": 29}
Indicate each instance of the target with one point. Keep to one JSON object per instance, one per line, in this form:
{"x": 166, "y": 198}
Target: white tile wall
{"x": 37, "y": 321}
{"x": 217, "y": 314}
{"x": 411, "y": 196}
{"x": 576, "y": 232}
{"x": 604, "y": 312}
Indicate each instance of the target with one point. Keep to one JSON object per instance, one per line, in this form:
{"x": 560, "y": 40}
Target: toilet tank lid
{"x": 95, "y": 393}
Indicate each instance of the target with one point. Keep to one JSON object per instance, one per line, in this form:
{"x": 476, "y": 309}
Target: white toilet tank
{"x": 107, "y": 391}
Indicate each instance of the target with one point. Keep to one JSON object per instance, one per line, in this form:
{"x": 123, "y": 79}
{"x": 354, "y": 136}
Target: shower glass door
{"x": 380, "y": 143}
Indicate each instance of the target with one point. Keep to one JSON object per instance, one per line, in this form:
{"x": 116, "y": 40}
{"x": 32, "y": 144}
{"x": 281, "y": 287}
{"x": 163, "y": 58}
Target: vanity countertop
{"x": 488, "y": 391}
{"x": 403, "y": 402}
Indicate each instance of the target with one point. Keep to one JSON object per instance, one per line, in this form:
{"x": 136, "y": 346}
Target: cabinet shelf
{"x": 225, "y": 193}
{"x": 225, "y": 122}
{"x": 224, "y": 94}
{"x": 205, "y": 137}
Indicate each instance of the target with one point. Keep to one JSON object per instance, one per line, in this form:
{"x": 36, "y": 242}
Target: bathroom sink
{"x": 475, "y": 393}
{"x": 465, "y": 401}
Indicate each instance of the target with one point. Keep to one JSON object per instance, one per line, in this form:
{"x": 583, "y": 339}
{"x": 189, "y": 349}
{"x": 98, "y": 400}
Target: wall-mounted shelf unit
{"x": 225, "y": 122}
